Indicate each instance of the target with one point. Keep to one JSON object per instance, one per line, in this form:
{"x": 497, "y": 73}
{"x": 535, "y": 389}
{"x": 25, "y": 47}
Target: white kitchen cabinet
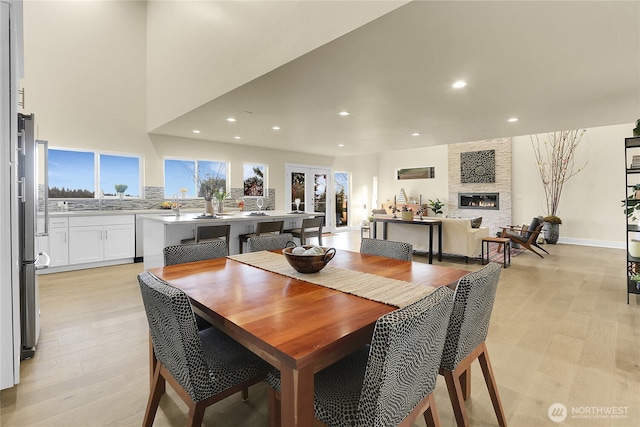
{"x": 58, "y": 249}
{"x": 101, "y": 238}
{"x": 119, "y": 241}
{"x": 85, "y": 244}
{"x": 56, "y": 243}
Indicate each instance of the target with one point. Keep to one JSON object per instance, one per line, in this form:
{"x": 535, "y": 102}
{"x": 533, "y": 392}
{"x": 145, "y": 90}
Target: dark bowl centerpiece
{"x": 308, "y": 259}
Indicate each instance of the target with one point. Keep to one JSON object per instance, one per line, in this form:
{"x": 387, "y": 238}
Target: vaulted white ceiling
{"x": 553, "y": 65}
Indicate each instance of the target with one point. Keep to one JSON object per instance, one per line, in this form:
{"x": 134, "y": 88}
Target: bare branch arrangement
{"x": 555, "y": 158}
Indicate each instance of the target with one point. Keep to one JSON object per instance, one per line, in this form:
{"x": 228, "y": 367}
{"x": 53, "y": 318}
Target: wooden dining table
{"x": 296, "y": 326}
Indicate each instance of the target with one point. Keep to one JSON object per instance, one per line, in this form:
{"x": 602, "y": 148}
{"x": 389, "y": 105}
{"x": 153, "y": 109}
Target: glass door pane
{"x": 320, "y": 193}
{"x": 341, "y": 190}
{"x": 313, "y": 186}
{"x": 297, "y": 190}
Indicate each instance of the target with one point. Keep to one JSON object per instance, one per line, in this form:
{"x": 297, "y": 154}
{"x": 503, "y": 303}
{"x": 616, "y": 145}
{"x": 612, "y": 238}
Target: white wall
{"x": 200, "y": 50}
{"x": 390, "y": 161}
{"x": 591, "y": 202}
{"x": 85, "y": 73}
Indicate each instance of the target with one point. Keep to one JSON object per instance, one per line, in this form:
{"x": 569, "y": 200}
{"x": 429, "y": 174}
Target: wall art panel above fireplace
{"x": 478, "y": 166}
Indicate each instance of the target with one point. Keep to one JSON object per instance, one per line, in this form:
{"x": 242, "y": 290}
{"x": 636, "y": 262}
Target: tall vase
{"x": 221, "y": 206}
{"x": 551, "y": 233}
{"x": 208, "y": 206}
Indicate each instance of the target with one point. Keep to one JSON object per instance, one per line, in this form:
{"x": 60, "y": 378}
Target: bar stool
{"x": 311, "y": 227}
{"x": 210, "y": 232}
{"x": 261, "y": 228}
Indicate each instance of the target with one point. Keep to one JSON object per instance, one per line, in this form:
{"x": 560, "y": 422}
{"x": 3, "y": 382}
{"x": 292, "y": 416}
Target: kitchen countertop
{"x": 120, "y": 212}
{"x": 192, "y": 217}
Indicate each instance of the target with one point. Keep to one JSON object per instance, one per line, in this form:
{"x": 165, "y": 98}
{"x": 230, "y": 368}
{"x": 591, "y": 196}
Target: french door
{"x": 313, "y": 186}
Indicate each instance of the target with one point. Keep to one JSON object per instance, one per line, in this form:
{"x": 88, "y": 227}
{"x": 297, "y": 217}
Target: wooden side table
{"x": 506, "y": 249}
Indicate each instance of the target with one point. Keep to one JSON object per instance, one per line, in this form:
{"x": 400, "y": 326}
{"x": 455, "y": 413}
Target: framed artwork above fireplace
{"x": 478, "y": 166}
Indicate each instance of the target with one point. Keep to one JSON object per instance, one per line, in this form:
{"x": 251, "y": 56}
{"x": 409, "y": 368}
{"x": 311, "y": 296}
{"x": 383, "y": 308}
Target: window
{"x": 81, "y": 174}
{"x": 254, "y": 180}
{"x": 181, "y": 177}
{"x": 120, "y": 171}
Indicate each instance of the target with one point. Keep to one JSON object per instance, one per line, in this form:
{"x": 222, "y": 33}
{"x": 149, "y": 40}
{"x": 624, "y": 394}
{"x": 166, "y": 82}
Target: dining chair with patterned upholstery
{"x": 386, "y": 248}
{"x": 264, "y": 227}
{"x": 369, "y": 387}
{"x": 465, "y": 341}
{"x": 311, "y": 227}
{"x": 269, "y": 242}
{"x": 192, "y": 252}
{"x": 203, "y": 367}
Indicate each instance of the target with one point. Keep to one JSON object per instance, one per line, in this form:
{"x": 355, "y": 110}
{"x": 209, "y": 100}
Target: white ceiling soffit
{"x": 199, "y": 50}
{"x": 554, "y": 65}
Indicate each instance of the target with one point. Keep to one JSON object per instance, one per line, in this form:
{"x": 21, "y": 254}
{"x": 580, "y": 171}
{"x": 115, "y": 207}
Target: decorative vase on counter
{"x": 221, "y": 206}
{"x": 208, "y": 207}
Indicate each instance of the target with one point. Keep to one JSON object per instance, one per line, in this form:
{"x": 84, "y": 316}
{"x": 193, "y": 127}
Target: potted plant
{"x": 552, "y": 229}
{"x": 221, "y": 195}
{"x": 635, "y": 278}
{"x": 120, "y": 189}
{"x": 632, "y": 203}
{"x": 436, "y": 206}
{"x": 555, "y": 160}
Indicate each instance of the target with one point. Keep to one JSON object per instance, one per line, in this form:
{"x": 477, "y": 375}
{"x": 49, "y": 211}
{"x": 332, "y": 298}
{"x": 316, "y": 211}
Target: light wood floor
{"x": 561, "y": 332}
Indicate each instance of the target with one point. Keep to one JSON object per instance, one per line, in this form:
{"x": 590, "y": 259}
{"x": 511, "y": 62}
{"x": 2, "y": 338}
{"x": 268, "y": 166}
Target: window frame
{"x": 195, "y": 178}
{"x": 265, "y": 175}
{"x": 96, "y": 173}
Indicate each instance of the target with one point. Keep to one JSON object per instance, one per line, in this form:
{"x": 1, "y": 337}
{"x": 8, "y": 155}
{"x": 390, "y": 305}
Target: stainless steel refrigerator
{"x": 32, "y": 221}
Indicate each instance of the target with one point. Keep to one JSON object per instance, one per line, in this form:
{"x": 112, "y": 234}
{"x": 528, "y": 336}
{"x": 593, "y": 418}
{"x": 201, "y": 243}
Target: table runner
{"x": 376, "y": 288}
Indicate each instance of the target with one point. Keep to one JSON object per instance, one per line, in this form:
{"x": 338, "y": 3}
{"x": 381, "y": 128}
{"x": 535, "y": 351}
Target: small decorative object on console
{"x": 407, "y": 214}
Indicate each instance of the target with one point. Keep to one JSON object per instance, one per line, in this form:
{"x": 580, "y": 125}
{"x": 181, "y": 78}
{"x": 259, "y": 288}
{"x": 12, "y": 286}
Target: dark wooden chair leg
{"x": 431, "y": 417}
{"x": 456, "y": 397}
{"x": 157, "y": 389}
{"x": 196, "y": 415}
{"x": 465, "y": 383}
{"x": 487, "y": 371}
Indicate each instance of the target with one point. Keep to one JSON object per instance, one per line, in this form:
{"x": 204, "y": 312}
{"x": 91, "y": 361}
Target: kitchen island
{"x": 161, "y": 230}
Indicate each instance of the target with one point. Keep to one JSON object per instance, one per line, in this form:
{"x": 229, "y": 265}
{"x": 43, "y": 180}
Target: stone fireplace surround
{"x": 492, "y": 218}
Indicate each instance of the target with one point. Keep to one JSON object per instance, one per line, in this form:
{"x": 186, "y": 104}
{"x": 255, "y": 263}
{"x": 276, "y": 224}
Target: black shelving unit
{"x": 632, "y": 177}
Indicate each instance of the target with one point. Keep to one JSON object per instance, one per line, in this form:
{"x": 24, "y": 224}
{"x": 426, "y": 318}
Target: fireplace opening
{"x": 479, "y": 201}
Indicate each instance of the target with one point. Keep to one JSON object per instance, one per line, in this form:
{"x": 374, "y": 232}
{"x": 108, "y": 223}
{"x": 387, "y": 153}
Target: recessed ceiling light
{"x": 236, "y": 137}
{"x": 231, "y": 119}
{"x": 415, "y": 134}
{"x": 344, "y": 113}
{"x": 459, "y": 84}
{"x": 340, "y": 145}
{"x": 276, "y": 128}
{"x": 513, "y": 119}
{"x": 195, "y": 131}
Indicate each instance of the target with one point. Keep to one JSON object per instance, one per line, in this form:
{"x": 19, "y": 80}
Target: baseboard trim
{"x": 595, "y": 243}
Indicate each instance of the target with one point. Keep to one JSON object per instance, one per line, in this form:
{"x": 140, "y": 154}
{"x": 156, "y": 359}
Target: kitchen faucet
{"x": 100, "y": 197}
